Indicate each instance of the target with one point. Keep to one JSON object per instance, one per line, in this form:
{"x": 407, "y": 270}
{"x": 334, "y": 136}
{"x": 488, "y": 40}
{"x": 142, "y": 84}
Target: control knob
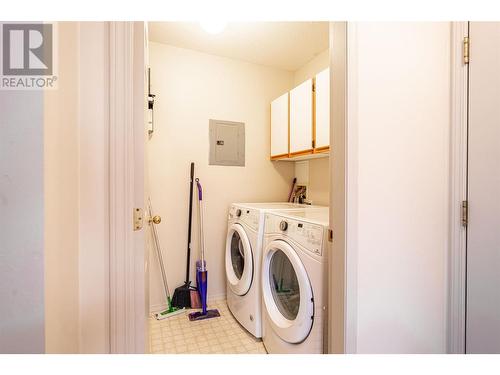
{"x": 283, "y": 225}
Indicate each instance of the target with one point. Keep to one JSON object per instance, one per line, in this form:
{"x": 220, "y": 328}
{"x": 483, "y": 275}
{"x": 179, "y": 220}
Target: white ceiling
{"x": 284, "y": 45}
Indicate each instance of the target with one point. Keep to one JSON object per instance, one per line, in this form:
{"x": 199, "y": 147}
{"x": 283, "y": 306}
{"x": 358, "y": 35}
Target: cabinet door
{"x": 279, "y": 126}
{"x": 301, "y": 117}
{"x": 322, "y": 109}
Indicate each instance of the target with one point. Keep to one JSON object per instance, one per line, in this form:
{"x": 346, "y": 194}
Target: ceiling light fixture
{"x": 213, "y": 26}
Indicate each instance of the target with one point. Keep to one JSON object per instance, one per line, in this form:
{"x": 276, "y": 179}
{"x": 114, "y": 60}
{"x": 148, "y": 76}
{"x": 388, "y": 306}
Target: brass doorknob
{"x": 155, "y": 219}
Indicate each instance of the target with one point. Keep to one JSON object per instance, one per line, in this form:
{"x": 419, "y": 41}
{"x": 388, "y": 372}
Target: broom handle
{"x": 293, "y": 188}
{"x": 202, "y": 235}
{"x": 158, "y": 252}
{"x": 188, "y": 262}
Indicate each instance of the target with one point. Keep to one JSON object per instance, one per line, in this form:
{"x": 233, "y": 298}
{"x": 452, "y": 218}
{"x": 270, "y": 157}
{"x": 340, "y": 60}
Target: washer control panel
{"x": 248, "y": 216}
{"x": 310, "y": 236}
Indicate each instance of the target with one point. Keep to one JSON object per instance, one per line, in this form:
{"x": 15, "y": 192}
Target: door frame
{"x": 127, "y": 255}
{"x": 342, "y": 262}
{"x": 457, "y": 257}
{"x": 342, "y": 304}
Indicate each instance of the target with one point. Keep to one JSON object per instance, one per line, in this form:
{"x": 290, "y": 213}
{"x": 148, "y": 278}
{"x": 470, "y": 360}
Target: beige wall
{"x": 319, "y": 181}
{"x": 318, "y": 184}
{"x": 62, "y": 200}
{"x": 190, "y": 89}
{"x": 309, "y": 70}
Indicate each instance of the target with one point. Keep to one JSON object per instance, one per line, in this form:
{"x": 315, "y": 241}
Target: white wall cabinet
{"x": 301, "y": 118}
{"x": 279, "y": 127}
{"x": 322, "y": 109}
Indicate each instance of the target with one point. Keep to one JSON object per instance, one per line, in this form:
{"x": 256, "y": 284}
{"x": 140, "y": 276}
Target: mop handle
{"x": 202, "y": 239}
{"x": 158, "y": 251}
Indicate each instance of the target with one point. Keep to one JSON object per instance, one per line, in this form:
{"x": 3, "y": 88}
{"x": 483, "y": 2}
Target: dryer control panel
{"x": 245, "y": 215}
{"x": 309, "y": 235}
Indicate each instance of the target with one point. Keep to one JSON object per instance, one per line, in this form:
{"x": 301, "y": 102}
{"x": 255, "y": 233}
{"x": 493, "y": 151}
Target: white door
{"x": 279, "y": 126}
{"x": 301, "y": 135}
{"x": 287, "y": 292}
{"x": 239, "y": 260}
{"x": 127, "y": 138}
{"x": 322, "y": 109}
{"x": 483, "y": 232}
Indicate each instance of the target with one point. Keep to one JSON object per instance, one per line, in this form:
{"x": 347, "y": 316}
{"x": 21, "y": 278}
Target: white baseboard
{"x": 157, "y": 307}
{"x": 216, "y": 298}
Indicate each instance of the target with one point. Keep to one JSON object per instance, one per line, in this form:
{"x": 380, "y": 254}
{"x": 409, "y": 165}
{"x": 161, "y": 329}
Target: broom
{"x": 171, "y": 310}
{"x": 186, "y": 296}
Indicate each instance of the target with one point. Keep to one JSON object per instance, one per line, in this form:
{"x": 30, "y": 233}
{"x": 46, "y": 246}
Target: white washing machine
{"x": 243, "y": 260}
{"x": 294, "y": 281}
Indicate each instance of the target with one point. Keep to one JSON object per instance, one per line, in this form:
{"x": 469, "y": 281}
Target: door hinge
{"x": 313, "y": 144}
{"x": 138, "y": 218}
{"x": 466, "y": 49}
{"x": 330, "y": 235}
{"x": 465, "y": 213}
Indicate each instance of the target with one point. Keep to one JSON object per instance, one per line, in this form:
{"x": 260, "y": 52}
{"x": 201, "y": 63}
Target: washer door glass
{"x": 237, "y": 255}
{"x": 285, "y": 286}
{"x": 239, "y": 260}
{"x": 287, "y": 292}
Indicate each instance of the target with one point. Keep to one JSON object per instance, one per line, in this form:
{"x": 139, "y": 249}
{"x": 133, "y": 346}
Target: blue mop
{"x": 201, "y": 269}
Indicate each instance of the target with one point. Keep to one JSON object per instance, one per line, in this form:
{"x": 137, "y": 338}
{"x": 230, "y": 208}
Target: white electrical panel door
{"x": 227, "y": 143}
{"x": 279, "y": 126}
{"x": 301, "y": 135}
{"x": 323, "y": 109}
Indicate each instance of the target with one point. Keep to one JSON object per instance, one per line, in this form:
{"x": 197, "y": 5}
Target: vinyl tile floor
{"x": 221, "y": 335}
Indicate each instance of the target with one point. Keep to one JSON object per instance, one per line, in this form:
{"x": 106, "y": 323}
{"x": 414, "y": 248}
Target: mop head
{"x": 168, "y": 313}
{"x": 198, "y": 315}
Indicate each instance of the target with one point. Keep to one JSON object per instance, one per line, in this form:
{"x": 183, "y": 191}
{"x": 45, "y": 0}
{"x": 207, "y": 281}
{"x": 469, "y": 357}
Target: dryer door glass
{"x": 285, "y": 286}
{"x": 237, "y": 255}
